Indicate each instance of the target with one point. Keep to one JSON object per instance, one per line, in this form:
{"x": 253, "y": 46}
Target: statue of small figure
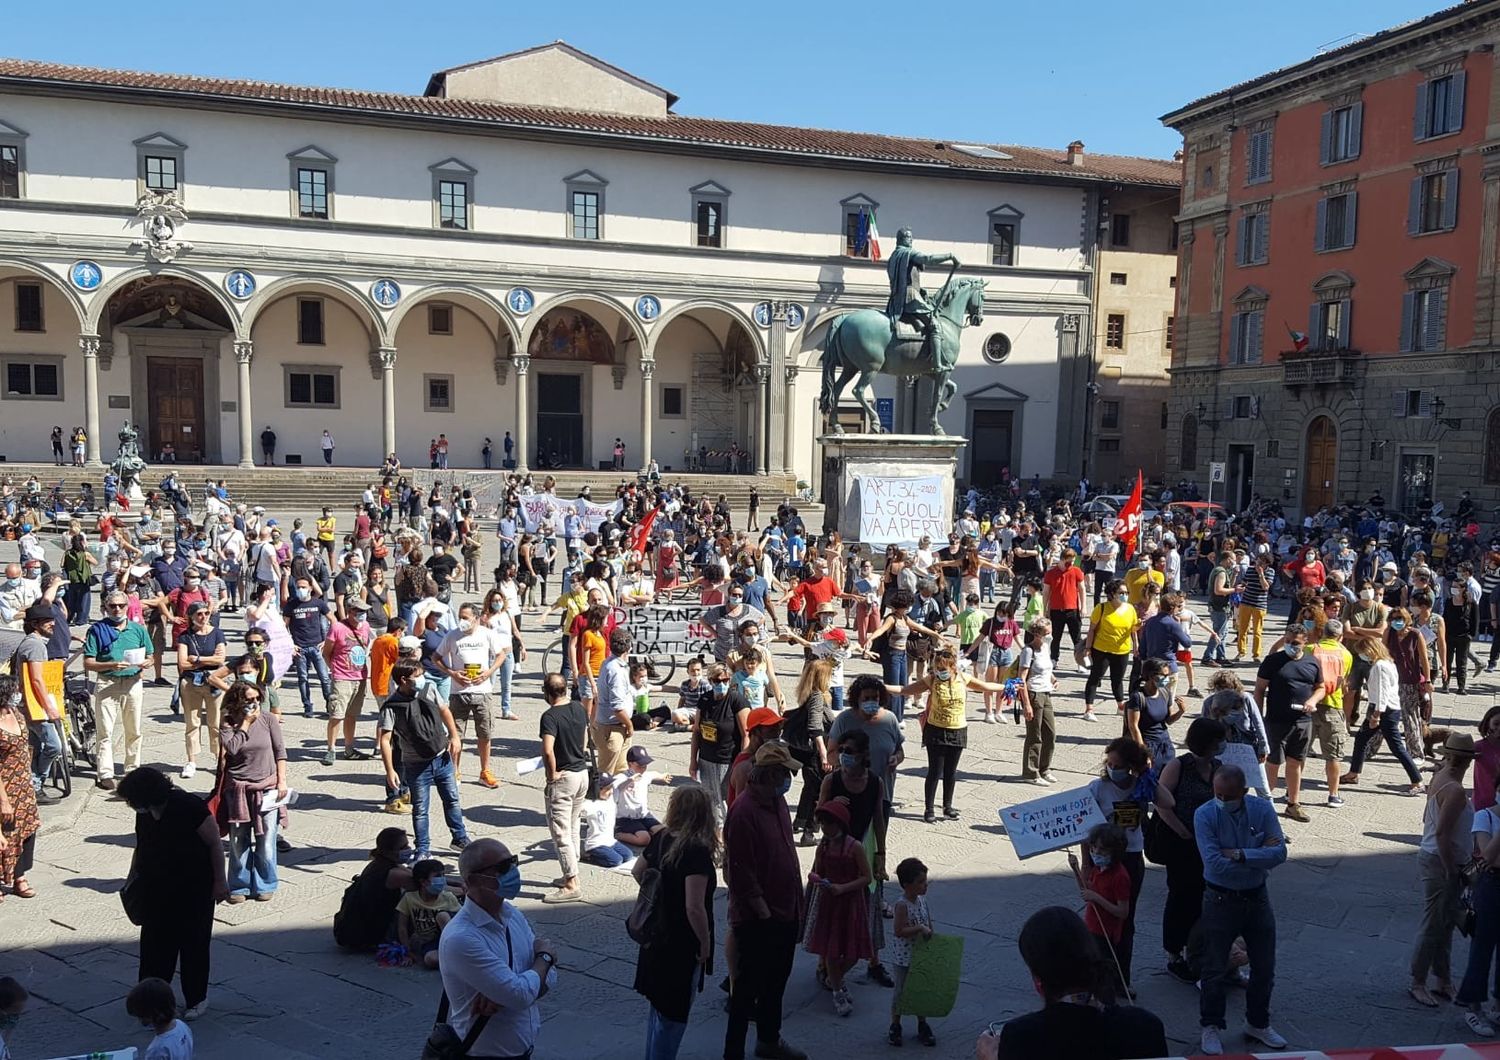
{"x": 129, "y": 464}
{"x": 908, "y": 301}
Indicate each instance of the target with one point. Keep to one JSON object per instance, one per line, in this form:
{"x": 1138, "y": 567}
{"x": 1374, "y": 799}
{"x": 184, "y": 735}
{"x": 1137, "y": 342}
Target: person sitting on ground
{"x": 152, "y": 1002}
{"x": 423, "y": 912}
{"x": 634, "y": 825}
{"x": 600, "y": 847}
{"x": 364, "y": 919}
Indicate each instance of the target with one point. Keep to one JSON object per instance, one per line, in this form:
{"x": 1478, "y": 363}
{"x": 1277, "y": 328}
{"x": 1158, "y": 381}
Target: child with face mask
{"x": 422, "y": 913}
{"x": 1104, "y": 886}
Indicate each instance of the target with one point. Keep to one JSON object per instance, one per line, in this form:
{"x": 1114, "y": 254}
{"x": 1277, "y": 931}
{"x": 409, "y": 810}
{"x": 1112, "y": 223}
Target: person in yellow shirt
{"x": 573, "y": 602}
{"x": 1329, "y": 729}
{"x": 1111, "y": 641}
{"x": 327, "y": 528}
{"x": 1146, "y": 568}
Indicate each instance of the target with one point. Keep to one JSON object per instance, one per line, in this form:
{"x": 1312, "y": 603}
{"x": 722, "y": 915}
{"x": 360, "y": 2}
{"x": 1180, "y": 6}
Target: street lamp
{"x": 1451, "y": 422}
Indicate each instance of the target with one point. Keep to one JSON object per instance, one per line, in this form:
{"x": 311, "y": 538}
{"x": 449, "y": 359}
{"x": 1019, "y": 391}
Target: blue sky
{"x": 997, "y": 71}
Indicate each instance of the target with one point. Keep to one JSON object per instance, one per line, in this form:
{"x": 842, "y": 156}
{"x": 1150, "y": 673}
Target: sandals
{"x": 22, "y": 889}
{"x": 1421, "y": 996}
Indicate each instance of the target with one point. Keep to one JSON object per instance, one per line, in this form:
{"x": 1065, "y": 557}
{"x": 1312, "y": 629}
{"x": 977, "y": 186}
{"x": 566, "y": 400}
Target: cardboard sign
{"x": 667, "y": 629}
{"x": 1052, "y": 822}
{"x": 1243, "y": 755}
{"x": 52, "y": 678}
{"x": 900, "y": 511}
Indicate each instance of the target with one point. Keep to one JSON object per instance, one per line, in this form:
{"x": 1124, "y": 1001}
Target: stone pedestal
{"x": 890, "y": 458}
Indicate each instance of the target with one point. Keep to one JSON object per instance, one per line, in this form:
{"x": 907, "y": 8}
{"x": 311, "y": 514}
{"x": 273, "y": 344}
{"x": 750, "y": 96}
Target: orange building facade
{"x": 1336, "y": 331}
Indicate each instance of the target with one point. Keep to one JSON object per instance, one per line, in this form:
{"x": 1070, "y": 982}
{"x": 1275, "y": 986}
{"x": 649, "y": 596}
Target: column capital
{"x": 648, "y": 368}
{"x": 792, "y": 372}
{"x": 522, "y": 363}
{"x": 244, "y": 350}
{"x": 106, "y": 354}
{"x": 762, "y": 374}
{"x": 89, "y": 344}
{"x": 780, "y": 307}
{"x": 387, "y": 357}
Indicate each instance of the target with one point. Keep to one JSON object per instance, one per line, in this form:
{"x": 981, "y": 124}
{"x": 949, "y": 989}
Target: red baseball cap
{"x": 762, "y": 717}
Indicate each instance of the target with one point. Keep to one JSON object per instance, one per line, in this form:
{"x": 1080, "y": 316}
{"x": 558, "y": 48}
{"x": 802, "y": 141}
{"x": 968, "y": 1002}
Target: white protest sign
{"x": 900, "y": 511}
{"x": 1243, "y": 755}
{"x": 594, "y": 515}
{"x": 666, "y": 629}
{"x": 1052, "y": 822}
{"x": 537, "y": 507}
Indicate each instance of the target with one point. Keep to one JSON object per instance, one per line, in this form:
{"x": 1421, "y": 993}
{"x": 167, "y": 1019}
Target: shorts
{"x": 1185, "y": 657}
{"x": 636, "y": 824}
{"x": 1330, "y": 732}
{"x": 480, "y": 706}
{"x": 158, "y": 634}
{"x": 347, "y": 695}
{"x": 1289, "y": 739}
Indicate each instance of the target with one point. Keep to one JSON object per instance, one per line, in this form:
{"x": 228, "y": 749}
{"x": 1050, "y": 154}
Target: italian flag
{"x": 874, "y": 237}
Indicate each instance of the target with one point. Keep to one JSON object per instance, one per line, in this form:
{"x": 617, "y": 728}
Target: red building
{"x": 1335, "y": 329}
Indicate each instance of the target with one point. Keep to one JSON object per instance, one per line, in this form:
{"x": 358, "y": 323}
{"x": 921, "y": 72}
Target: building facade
{"x": 1336, "y": 333}
{"x": 537, "y": 244}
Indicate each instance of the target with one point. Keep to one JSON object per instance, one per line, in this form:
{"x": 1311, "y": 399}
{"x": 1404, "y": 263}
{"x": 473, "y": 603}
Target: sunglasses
{"x": 499, "y": 868}
{"x": 112, "y": 606}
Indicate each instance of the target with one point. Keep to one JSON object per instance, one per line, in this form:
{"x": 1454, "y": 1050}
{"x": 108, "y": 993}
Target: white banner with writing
{"x": 900, "y": 511}
{"x": 594, "y": 515}
{"x": 1052, "y": 822}
{"x": 537, "y": 508}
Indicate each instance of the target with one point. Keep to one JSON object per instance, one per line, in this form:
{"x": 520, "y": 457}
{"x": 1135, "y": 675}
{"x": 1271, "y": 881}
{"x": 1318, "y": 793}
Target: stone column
{"x": 523, "y": 421}
{"x": 778, "y": 408}
{"x": 648, "y": 371}
{"x": 89, "y": 344}
{"x": 244, "y": 353}
{"x": 762, "y": 399}
{"x": 789, "y": 422}
{"x": 387, "y": 355}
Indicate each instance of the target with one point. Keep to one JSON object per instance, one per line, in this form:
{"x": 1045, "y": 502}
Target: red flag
{"x": 642, "y": 532}
{"x": 1128, "y": 524}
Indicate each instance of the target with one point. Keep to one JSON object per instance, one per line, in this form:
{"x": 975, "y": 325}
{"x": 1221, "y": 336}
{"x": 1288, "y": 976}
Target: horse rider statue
{"x": 908, "y": 301}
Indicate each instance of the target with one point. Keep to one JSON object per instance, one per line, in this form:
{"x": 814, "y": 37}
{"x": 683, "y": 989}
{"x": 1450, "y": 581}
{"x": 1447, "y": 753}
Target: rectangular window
{"x": 310, "y": 321}
{"x": 312, "y": 387}
{"x": 1242, "y": 408}
{"x": 1424, "y": 320}
{"x": 710, "y": 223}
{"x": 1246, "y": 335}
{"x": 1172, "y": 282}
{"x": 1335, "y": 222}
{"x": 453, "y": 204}
{"x": 1114, "y": 331}
{"x": 161, "y": 173}
{"x": 585, "y": 215}
{"x": 1434, "y": 203}
{"x": 1118, "y": 279}
{"x": 1119, "y": 230}
{"x": 1255, "y": 239}
{"x": 1258, "y": 157}
{"x": 673, "y": 401}
{"x": 1109, "y": 415}
{"x": 10, "y": 171}
{"x": 33, "y": 380}
{"x": 1002, "y": 243}
{"x": 1165, "y": 410}
{"x": 1341, "y": 133}
{"x": 1440, "y": 106}
{"x": 1172, "y": 239}
{"x": 1171, "y": 324}
{"x": 312, "y": 193}
{"x": 440, "y": 320}
{"x": 1109, "y": 445}
{"x": 439, "y": 392}
{"x": 29, "y": 307}
{"x": 852, "y": 246}
{"x": 1333, "y": 322}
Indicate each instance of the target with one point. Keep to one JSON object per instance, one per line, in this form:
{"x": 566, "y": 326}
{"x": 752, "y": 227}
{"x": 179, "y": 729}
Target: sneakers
{"x": 1295, "y": 812}
{"x": 459, "y": 844}
{"x": 842, "y": 1003}
{"x": 1478, "y": 1024}
{"x": 1266, "y": 1036}
{"x": 950, "y": 813}
{"x": 876, "y": 973}
{"x": 188, "y": 771}
{"x": 1039, "y": 781}
{"x": 1210, "y": 1044}
{"x": 488, "y": 779}
{"x": 1090, "y": 716}
{"x": 329, "y": 757}
{"x": 1181, "y": 970}
{"x": 1334, "y": 802}
{"x": 1049, "y": 778}
{"x": 197, "y": 1010}
{"x": 352, "y": 754}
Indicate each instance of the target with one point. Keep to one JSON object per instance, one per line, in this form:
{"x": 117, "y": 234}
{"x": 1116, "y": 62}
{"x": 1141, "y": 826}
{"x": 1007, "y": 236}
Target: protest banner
{"x": 537, "y": 508}
{"x": 594, "y": 515}
{"x": 666, "y": 629}
{"x": 900, "y": 511}
{"x": 1243, "y": 755}
{"x": 1052, "y": 822}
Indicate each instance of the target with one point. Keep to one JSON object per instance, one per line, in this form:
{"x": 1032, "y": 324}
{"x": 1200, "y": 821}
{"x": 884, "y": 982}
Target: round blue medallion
{"x": 648, "y": 307}
{"x": 386, "y": 293}
{"x": 762, "y": 314}
{"x": 521, "y": 301}
{"x": 86, "y": 275}
{"x": 240, "y": 284}
{"x": 795, "y": 315}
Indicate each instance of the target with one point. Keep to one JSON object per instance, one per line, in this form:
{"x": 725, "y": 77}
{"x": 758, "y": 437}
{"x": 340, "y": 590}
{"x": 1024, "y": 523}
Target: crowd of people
{"x": 821, "y": 659}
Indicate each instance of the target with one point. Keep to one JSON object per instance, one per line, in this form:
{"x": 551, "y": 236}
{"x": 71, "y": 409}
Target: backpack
{"x": 644, "y": 921}
{"x": 424, "y": 724}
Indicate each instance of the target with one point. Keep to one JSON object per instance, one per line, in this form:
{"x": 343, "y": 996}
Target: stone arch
{"x": 582, "y": 300}
{"x": 101, "y": 299}
{"x": 688, "y": 310}
{"x": 470, "y": 297}
{"x": 37, "y": 271}
{"x": 345, "y": 293}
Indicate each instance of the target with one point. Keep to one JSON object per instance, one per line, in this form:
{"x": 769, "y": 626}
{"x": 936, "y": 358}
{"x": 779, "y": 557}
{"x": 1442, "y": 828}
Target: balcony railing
{"x": 1320, "y": 367}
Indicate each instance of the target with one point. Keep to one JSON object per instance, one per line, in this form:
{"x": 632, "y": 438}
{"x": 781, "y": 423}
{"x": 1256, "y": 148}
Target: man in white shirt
{"x": 493, "y": 965}
{"x": 471, "y": 655}
{"x": 16, "y": 595}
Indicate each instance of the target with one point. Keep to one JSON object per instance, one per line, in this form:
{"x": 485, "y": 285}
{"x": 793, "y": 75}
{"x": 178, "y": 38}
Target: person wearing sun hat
{"x": 763, "y": 724}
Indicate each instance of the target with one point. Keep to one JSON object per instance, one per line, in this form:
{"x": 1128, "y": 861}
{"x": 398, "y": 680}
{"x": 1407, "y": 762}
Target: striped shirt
{"x": 1257, "y": 592}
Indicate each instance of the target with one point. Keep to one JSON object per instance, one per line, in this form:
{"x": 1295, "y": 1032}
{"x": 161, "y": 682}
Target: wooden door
{"x": 174, "y": 389}
{"x": 559, "y": 420}
{"x": 1322, "y": 464}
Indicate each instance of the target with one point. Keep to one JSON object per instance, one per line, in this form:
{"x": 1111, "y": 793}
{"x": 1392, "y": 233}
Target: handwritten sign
{"x": 594, "y": 515}
{"x": 667, "y": 629}
{"x": 1243, "y": 755}
{"x": 900, "y": 511}
{"x": 537, "y": 508}
{"x": 1052, "y": 822}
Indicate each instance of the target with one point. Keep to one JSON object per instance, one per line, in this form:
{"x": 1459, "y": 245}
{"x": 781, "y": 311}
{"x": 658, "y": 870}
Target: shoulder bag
{"x": 444, "y": 1043}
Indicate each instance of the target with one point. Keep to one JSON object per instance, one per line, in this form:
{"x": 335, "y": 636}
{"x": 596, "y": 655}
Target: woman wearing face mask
{"x": 1149, "y": 713}
{"x": 495, "y": 616}
{"x": 252, "y": 768}
{"x": 1111, "y": 641}
{"x": 1229, "y": 703}
{"x": 897, "y": 629}
{"x": 1462, "y": 620}
{"x": 1387, "y": 711}
{"x": 1187, "y": 783}
{"x": 945, "y": 731}
{"x": 365, "y": 916}
{"x": 378, "y": 596}
{"x": 176, "y": 876}
{"x": 200, "y": 662}
{"x": 1408, "y": 650}
{"x": 720, "y": 732}
{"x": 867, "y": 609}
{"x": 1001, "y": 637}
{"x": 1123, "y": 791}
{"x": 19, "y": 819}
{"x": 805, "y": 730}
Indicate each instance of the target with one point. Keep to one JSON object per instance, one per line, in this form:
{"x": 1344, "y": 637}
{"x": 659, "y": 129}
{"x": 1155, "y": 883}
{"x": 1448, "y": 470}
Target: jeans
{"x": 986, "y": 585}
{"x": 328, "y": 456}
{"x": 420, "y": 778}
{"x": 252, "y": 858}
{"x": 766, "y": 949}
{"x": 663, "y": 1036}
{"x": 49, "y": 737}
{"x": 312, "y": 657}
{"x": 487, "y": 460}
{"x": 1433, "y": 951}
{"x": 942, "y": 764}
{"x": 1218, "y": 624}
{"x": 1228, "y": 915}
{"x": 895, "y": 674}
{"x": 1390, "y": 728}
{"x": 610, "y": 857}
{"x": 1458, "y": 660}
{"x": 76, "y": 601}
{"x": 507, "y": 669}
{"x": 812, "y": 782}
{"x": 1484, "y": 942}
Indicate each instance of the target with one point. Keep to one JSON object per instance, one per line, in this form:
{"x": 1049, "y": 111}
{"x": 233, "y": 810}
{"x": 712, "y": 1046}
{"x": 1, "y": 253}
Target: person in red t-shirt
{"x": 1063, "y": 585}
{"x": 813, "y": 591}
{"x": 192, "y": 592}
{"x": 1104, "y": 885}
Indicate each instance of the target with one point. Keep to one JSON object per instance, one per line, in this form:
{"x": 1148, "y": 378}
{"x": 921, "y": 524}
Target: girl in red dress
{"x": 840, "y": 928}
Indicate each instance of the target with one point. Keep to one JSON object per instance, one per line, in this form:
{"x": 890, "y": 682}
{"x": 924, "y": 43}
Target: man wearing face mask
{"x": 494, "y": 968}
{"x": 1367, "y": 623}
{"x": 1288, "y": 688}
{"x": 765, "y": 904}
{"x": 471, "y": 656}
{"x": 1240, "y": 842}
{"x": 304, "y": 612}
{"x": 414, "y": 720}
{"x": 725, "y": 620}
{"x": 169, "y": 567}
{"x": 115, "y": 650}
{"x": 16, "y": 595}
{"x": 349, "y": 584}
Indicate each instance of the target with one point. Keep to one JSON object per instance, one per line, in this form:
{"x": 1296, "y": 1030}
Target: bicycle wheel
{"x": 660, "y": 668}
{"x": 552, "y": 657}
{"x": 81, "y": 732}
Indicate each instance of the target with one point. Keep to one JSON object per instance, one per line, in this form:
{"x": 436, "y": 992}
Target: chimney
{"x": 1177, "y": 155}
{"x": 1075, "y": 153}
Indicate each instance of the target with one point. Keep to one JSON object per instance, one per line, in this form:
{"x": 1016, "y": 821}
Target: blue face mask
{"x": 1232, "y": 805}
{"x": 870, "y": 707}
{"x": 1398, "y": 625}
{"x": 304, "y": 594}
{"x": 509, "y": 885}
{"x": 1101, "y": 861}
{"x": 1119, "y": 776}
{"x": 721, "y": 687}
{"x": 1308, "y": 624}
{"x": 436, "y": 884}
{"x": 848, "y": 761}
{"x": 1292, "y": 650}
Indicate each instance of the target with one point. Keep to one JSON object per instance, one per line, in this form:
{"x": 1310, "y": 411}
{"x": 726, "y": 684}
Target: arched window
{"x": 1189, "y": 459}
{"x": 1492, "y": 447}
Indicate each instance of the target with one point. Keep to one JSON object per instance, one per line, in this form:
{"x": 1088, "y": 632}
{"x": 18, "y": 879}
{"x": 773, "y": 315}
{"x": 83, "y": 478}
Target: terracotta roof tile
{"x": 708, "y": 132}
